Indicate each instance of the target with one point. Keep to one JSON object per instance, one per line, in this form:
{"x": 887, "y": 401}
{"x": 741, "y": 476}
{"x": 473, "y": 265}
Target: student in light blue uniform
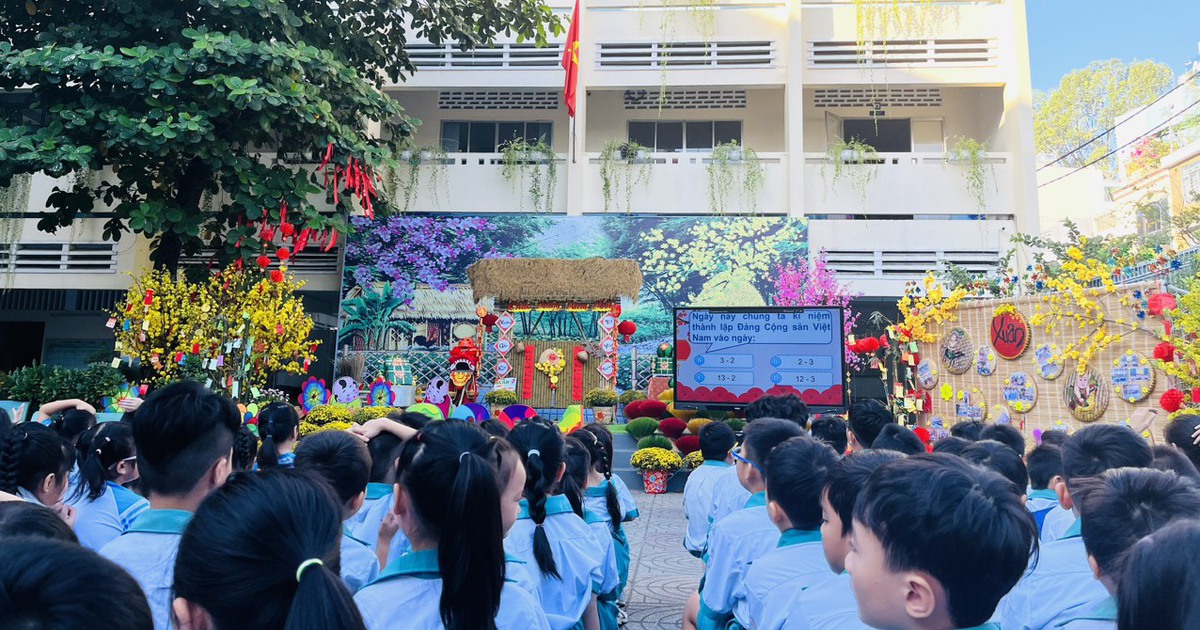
{"x": 716, "y": 440}
{"x": 104, "y": 508}
{"x": 342, "y": 461}
{"x": 34, "y": 464}
{"x": 1060, "y": 586}
{"x": 1159, "y": 584}
{"x": 578, "y": 476}
{"x": 729, "y": 496}
{"x": 609, "y": 498}
{"x": 449, "y": 506}
{"x": 1045, "y": 472}
{"x": 385, "y": 453}
{"x": 260, "y": 553}
{"x": 184, "y": 435}
{"x": 796, "y": 474}
{"x": 742, "y": 537}
{"x": 908, "y": 515}
{"x": 550, "y": 537}
{"x": 829, "y": 605}
{"x": 279, "y": 428}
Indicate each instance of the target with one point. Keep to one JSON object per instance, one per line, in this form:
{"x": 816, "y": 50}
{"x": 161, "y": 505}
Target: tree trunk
{"x": 187, "y": 197}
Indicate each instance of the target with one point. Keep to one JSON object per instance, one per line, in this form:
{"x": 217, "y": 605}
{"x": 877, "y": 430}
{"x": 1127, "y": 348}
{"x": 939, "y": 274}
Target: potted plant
{"x": 854, "y": 160}
{"x": 498, "y": 399}
{"x": 656, "y": 466}
{"x": 603, "y": 403}
{"x": 971, "y": 155}
{"x": 624, "y": 166}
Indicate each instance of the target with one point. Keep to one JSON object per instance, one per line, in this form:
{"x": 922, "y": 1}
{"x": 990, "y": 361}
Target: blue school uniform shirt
{"x": 798, "y": 560}
{"x": 408, "y": 592}
{"x": 736, "y": 541}
{"x": 147, "y": 551}
{"x": 697, "y": 503}
{"x": 577, "y": 556}
{"x": 728, "y": 496}
{"x": 610, "y": 578}
{"x": 1103, "y": 617}
{"x": 1040, "y": 503}
{"x": 99, "y": 522}
{"x": 360, "y": 566}
{"x": 1056, "y": 524}
{"x": 364, "y": 525}
{"x": 1059, "y": 588}
{"x": 595, "y": 500}
{"x": 829, "y": 605}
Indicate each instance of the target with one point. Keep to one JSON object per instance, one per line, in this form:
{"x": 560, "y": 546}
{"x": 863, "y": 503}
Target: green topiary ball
{"x": 656, "y": 441}
{"x": 641, "y": 427}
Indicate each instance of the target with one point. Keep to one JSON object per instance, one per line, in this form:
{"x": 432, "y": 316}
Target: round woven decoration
{"x": 956, "y": 351}
{"x": 1009, "y": 334}
{"x": 972, "y": 406}
{"x": 1133, "y": 377}
{"x": 1044, "y": 358}
{"x": 985, "y": 361}
{"x": 1020, "y": 392}
{"x": 927, "y": 373}
{"x": 1085, "y": 395}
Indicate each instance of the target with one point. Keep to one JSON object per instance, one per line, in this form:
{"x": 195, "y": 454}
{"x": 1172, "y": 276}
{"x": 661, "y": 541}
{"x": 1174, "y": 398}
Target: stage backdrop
{"x": 405, "y": 290}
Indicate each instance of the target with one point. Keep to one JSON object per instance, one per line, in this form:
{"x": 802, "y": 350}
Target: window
{"x": 886, "y": 135}
{"x": 664, "y": 136}
{"x": 485, "y": 136}
{"x": 16, "y": 108}
{"x": 1191, "y": 183}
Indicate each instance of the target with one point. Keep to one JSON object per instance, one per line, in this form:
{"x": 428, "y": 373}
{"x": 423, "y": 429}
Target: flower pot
{"x": 655, "y": 481}
{"x": 604, "y": 415}
{"x": 426, "y": 156}
{"x": 406, "y": 155}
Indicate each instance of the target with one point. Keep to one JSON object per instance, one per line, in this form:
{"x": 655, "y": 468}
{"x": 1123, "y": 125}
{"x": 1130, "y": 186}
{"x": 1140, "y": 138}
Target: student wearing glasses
{"x": 104, "y": 507}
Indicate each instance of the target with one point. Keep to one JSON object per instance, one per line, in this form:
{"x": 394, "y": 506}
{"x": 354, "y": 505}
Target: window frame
{"x": 684, "y": 149}
{"x": 496, "y": 141}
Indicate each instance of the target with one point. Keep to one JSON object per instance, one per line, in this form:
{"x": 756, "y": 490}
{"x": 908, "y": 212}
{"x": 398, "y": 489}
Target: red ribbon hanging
{"x": 576, "y": 375}
{"x": 527, "y": 383}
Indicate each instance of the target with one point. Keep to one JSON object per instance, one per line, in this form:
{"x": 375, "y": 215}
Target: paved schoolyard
{"x": 661, "y": 573}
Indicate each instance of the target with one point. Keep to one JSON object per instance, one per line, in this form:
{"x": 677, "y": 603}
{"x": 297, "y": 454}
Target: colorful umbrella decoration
{"x": 471, "y": 412}
{"x": 250, "y": 416}
{"x": 516, "y": 413}
{"x": 380, "y": 394}
{"x": 427, "y": 409}
{"x": 313, "y": 394}
{"x": 124, "y": 390}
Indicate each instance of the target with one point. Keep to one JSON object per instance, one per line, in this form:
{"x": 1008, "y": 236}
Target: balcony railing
{"x": 938, "y": 53}
{"x": 475, "y": 182}
{"x": 679, "y": 183}
{"x": 450, "y": 57}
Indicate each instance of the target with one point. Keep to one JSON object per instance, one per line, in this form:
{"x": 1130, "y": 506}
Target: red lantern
{"x": 1165, "y": 352}
{"x": 263, "y": 262}
{"x": 868, "y": 345}
{"x": 1160, "y": 303}
{"x": 1171, "y": 400}
{"x": 283, "y": 254}
{"x": 627, "y": 330}
{"x": 276, "y": 275}
{"x": 288, "y": 229}
{"x": 490, "y": 320}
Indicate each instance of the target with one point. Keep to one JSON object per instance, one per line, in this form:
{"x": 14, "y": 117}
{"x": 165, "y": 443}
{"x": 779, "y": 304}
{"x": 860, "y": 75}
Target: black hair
{"x": 1000, "y": 458}
{"x": 967, "y": 429}
{"x": 181, "y": 431}
{"x": 30, "y": 452}
{"x": 238, "y": 558}
{"x": 951, "y": 445}
{"x": 5, "y": 421}
{"x": 1044, "y": 463}
{"x": 1099, "y": 447}
{"x": 716, "y": 440}
{"x": 867, "y": 418}
{"x": 762, "y": 436}
{"x": 1170, "y": 458}
{"x": 453, "y": 487}
{"x": 340, "y": 459}
{"x": 1005, "y": 434}
{"x": 1159, "y": 587}
{"x": 1178, "y": 432}
{"x": 107, "y": 446}
{"x": 55, "y": 584}
{"x": 542, "y": 450}
{"x": 384, "y": 450}
{"x": 1126, "y": 504}
{"x": 831, "y": 430}
{"x": 788, "y": 407}
{"x": 901, "y": 439}
{"x": 22, "y": 518}
{"x": 955, "y": 521}
{"x": 494, "y": 427}
{"x": 602, "y": 461}
{"x": 245, "y": 449}
{"x": 847, "y": 479}
{"x": 1054, "y": 438}
{"x": 277, "y": 423}
{"x": 795, "y": 476}
{"x": 579, "y": 466}
{"x": 410, "y": 419}
{"x": 71, "y": 423}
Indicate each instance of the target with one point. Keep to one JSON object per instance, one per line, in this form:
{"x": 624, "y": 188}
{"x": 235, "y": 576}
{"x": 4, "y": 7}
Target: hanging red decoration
{"x": 1160, "y": 303}
{"x": 1171, "y": 400}
{"x": 627, "y": 329}
{"x": 490, "y": 320}
{"x": 263, "y": 262}
{"x": 288, "y": 229}
{"x": 283, "y": 253}
{"x": 276, "y": 275}
{"x": 1165, "y": 352}
{"x": 868, "y": 345}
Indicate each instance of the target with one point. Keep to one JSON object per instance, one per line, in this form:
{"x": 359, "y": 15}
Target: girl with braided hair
{"x": 34, "y": 464}
{"x": 105, "y": 508}
{"x": 608, "y": 496}
{"x": 579, "y": 476}
{"x": 279, "y": 427}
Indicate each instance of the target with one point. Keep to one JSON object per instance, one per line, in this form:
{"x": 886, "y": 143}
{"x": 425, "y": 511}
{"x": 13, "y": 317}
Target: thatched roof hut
{"x": 429, "y": 304}
{"x": 589, "y": 280}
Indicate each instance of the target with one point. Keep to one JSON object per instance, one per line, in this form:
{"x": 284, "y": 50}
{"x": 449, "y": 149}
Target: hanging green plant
{"x": 404, "y": 180}
{"x": 731, "y": 167}
{"x": 531, "y": 166}
{"x": 624, "y": 166}
{"x": 14, "y": 202}
{"x": 855, "y": 161}
{"x": 704, "y": 17}
{"x": 881, "y": 21}
{"x": 971, "y": 155}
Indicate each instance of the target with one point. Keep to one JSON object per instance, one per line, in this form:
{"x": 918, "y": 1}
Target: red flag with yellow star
{"x": 570, "y": 62}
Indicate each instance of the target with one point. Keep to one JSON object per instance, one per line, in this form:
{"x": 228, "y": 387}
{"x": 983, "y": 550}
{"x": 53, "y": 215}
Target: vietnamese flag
{"x": 570, "y": 62}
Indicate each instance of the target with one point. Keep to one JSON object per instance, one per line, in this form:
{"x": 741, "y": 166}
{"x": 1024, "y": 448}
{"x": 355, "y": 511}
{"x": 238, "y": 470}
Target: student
{"x": 901, "y": 570}
{"x": 831, "y": 430}
{"x": 449, "y": 507}
{"x": 788, "y": 407}
{"x": 1116, "y": 510}
{"x": 69, "y": 418}
{"x": 245, "y": 449}
{"x": 494, "y": 428}
{"x": 184, "y": 438}
{"x": 1060, "y": 586}
{"x": 1005, "y": 434}
{"x": 384, "y": 447}
{"x": 55, "y": 584}
{"x": 1178, "y": 433}
{"x": 262, "y": 552}
{"x": 1054, "y": 438}
{"x": 969, "y": 430}
{"x": 34, "y": 465}
{"x": 104, "y": 507}
{"x": 279, "y": 427}
{"x": 610, "y": 499}
{"x": 796, "y": 475}
{"x": 742, "y": 537}
{"x": 579, "y": 475}
{"x": 999, "y": 458}
{"x": 951, "y": 445}
{"x": 1170, "y": 458}
{"x": 1044, "y": 464}
{"x": 716, "y": 441}
{"x": 1159, "y": 587}
{"x": 894, "y": 437}
{"x": 553, "y": 541}
{"x": 342, "y": 461}
{"x": 21, "y": 518}
{"x": 866, "y": 419}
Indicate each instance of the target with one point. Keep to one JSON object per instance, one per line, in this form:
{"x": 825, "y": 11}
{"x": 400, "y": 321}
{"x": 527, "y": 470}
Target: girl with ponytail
{"x": 104, "y": 507}
{"x": 262, "y": 552}
{"x": 608, "y": 496}
{"x": 34, "y": 464}
{"x": 448, "y": 505}
{"x": 550, "y": 536}
{"x": 581, "y": 474}
{"x": 279, "y": 426}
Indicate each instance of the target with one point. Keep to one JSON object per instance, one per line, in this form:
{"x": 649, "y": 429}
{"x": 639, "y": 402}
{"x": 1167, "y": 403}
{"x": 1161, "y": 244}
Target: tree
{"x": 1088, "y": 101}
{"x": 816, "y": 284}
{"x": 187, "y": 99}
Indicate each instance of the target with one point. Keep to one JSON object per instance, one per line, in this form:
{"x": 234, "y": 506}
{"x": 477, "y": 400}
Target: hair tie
{"x": 462, "y": 455}
{"x": 308, "y": 563}
{"x": 531, "y": 452}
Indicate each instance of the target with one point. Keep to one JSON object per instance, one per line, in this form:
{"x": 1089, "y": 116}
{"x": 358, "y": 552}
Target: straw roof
{"x": 555, "y": 279}
{"x": 429, "y": 304}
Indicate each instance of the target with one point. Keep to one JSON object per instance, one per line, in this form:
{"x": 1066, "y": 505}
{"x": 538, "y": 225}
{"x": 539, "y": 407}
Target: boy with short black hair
{"x": 902, "y": 570}
{"x": 951, "y": 445}
{"x": 1000, "y": 459}
{"x": 1045, "y": 471}
{"x": 184, "y": 435}
{"x": 788, "y": 407}
{"x": 1178, "y": 433}
{"x": 1005, "y": 434}
{"x": 716, "y": 441}
{"x": 1054, "y": 438}
{"x": 901, "y": 439}
{"x": 384, "y": 451}
{"x": 967, "y": 430}
{"x": 866, "y": 419}
{"x": 831, "y": 430}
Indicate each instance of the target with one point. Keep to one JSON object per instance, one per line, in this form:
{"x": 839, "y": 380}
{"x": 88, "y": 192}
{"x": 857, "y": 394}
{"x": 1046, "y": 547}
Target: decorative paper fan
{"x": 380, "y": 394}
{"x": 313, "y": 394}
{"x": 432, "y": 411}
{"x": 516, "y": 413}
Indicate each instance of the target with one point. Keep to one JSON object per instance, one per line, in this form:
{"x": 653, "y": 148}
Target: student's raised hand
{"x": 389, "y": 527}
{"x": 376, "y": 426}
{"x": 1196, "y": 435}
{"x": 130, "y": 404}
{"x": 79, "y": 404}
{"x": 67, "y": 514}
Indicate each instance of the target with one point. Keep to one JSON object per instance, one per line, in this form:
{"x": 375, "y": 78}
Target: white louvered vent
{"x": 903, "y": 53}
{"x": 914, "y": 264}
{"x": 637, "y": 55}
{"x": 877, "y": 97}
{"x": 59, "y": 257}
{"x": 311, "y": 261}
{"x": 498, "y": 99}
{"x": 449, "y": 57}
{"x": 686, "y": 99}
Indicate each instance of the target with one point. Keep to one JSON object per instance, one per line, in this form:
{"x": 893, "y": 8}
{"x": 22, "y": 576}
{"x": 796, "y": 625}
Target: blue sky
{"x": 1065, "y": 35}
